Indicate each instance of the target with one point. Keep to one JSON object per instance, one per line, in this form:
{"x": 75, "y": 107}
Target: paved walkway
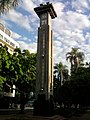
{"x": 28, "y": 116}
{"x": 85, "y": 116}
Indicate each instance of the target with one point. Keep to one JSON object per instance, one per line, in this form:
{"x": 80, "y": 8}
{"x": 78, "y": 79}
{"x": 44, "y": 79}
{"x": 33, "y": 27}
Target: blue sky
{"x": 71, "y": 28}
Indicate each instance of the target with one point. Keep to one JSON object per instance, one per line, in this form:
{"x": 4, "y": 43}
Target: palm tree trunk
{"x": 61, "y": 78}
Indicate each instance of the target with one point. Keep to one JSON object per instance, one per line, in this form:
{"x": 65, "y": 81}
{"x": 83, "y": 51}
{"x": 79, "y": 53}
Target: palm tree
{"x": 60, "y": 69}
{"x": 5, "y": 5}
{"x": 75, "y": 57}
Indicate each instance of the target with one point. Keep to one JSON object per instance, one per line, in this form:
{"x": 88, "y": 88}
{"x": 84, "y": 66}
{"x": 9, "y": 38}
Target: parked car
{"x": 30, "y": 103}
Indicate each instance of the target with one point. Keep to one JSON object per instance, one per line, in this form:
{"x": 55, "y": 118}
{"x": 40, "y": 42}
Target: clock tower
{"x": 44, "y": 80}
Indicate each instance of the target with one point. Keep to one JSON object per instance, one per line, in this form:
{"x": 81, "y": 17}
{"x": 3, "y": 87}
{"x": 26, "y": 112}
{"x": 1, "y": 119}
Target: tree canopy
{"x": 75, "y": 57}
{"x": 5, "y": 5}
{"x": 19, "y": 68}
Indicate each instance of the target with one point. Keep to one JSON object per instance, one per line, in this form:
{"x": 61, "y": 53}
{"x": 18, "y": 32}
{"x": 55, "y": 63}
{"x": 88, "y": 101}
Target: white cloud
{"x": 81, "y": 5}
{"x": 71, "y": 21}
{"x": 15, "y": 35}
{"x": 87, "y": 36}
{"x": 69, "y": 28}
{"x": 19, "y": 19}
{"x": 58, "y": 6}
{"x": 32, "y": 47}
{"x": 28, "y": 5}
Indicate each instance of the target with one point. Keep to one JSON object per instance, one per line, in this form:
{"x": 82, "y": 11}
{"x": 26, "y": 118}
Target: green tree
{"x": 2, "y": 80}
{"x": 60, "y": 76}
{"x": 19, "y": 68}
{"x": 5, "y": 5}
{"x": 75, "y": 57}
{"x": 27, "y": 63}
{"x": 77, "y": 89}
{"x": 62, "y": 72}
{"x": 4, "y": 64}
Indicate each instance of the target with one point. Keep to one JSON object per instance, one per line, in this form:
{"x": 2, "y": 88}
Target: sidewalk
{"x": 12, "y": 114}
{"x": 85, "y": 116}
{"x": 28, "y": 115}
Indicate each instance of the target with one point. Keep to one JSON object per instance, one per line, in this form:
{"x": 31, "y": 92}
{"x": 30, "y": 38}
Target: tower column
{"x": 44, "y": 82}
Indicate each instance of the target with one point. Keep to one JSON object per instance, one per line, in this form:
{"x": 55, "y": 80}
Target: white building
{"x": 6, "y": 39}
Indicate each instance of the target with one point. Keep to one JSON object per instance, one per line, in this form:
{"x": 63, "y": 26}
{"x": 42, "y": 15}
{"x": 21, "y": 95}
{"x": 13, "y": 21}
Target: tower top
{"x": 48, "y": 7}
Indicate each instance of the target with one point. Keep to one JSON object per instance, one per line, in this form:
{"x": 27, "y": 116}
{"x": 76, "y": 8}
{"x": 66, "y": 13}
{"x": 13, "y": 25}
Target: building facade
{"x": 6, "y": 39}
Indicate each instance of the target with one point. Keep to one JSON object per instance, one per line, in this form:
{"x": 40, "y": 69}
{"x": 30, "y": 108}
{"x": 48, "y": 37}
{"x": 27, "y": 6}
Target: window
{"x": 6, "y": 39}
{"x": 12, "y": 44}
{"x": 42, "y": 82}
{"x": 43, "y": 40}
{"x": 1, "y": 36}
{"x": 1, "y": 27}
{"x": 7, "y": 32}
{"x": 43, "y": 45}
{"x": 11, "y": 50}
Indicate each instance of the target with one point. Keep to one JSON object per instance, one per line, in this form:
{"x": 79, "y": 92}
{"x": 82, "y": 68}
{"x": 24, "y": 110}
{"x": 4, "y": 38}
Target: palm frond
{"x": 5, "y": 5}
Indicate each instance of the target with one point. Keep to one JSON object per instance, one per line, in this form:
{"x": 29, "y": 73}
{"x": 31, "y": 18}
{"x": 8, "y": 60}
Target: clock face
{"x": 44, "y": 16}
{"x": 43, "y": 22}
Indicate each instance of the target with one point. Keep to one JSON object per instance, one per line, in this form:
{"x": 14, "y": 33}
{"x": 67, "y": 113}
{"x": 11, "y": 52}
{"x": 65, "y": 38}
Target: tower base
{"x": 43, "y": 107}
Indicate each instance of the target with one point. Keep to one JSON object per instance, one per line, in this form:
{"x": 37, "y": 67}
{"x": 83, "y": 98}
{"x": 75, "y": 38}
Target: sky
{"x": 71, "y": 28}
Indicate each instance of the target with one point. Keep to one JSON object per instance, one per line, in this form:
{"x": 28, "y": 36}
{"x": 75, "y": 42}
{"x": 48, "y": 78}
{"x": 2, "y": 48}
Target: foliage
{"x": 5, "y": 5}
{"x": 77, "y": 89}
{"x": 19, "y": 68}
{"x": 4, "y": 64}
{"x": 2, "y": 80}
{"x": 28, "y": 66}
{"x": 61, "y": 71}
{"x": 60, "y": 77}
{"x": 82, "y": 84}
{"x": 76, "y": 58}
